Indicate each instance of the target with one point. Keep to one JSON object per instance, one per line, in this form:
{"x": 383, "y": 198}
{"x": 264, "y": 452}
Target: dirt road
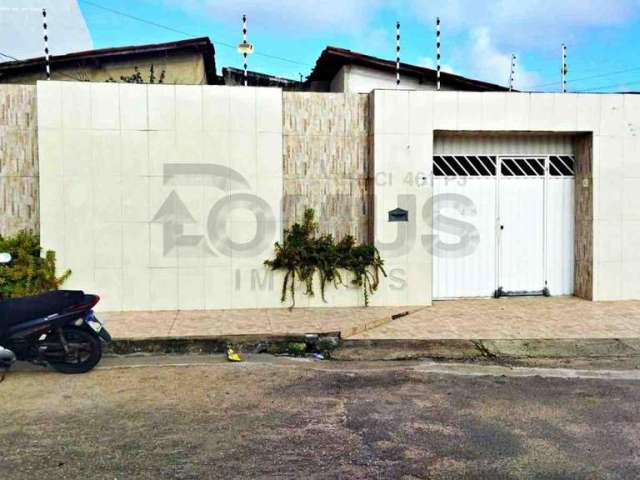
{"x": 199, "y": 417}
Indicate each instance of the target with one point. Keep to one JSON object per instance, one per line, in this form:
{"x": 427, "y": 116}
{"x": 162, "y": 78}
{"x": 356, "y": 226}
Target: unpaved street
{"x": 280, "y": 418}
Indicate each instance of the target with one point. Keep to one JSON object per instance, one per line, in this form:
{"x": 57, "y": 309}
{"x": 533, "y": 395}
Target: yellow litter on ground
{"x": 232, "y": 356}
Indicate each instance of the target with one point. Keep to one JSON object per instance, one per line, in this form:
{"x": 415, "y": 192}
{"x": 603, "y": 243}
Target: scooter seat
{"x": 18, "y": 310}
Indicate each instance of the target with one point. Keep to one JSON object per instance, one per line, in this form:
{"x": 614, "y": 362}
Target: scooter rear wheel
{"x": 85, "y": 351}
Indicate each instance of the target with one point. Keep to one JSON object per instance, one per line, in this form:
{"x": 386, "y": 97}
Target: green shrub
{"x": 303, "y": 253}
{"x": 297, "y": 349}
{"x": 28, "y": 273}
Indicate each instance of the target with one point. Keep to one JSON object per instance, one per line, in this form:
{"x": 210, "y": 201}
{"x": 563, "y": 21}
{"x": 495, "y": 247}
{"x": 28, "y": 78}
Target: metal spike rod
{"x": 513, "y": 72}
{"x": 245, "y": 48}
{"x": 397, "y": 54}
{"x": 437, "y": 53}
{"x": 46, "y": 44}
{"x": 244, "y": 40}
{"x": 565, "y": 68}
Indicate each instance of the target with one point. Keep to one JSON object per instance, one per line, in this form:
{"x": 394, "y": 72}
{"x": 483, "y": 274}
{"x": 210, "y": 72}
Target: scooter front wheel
{"x": 84, "y": 351}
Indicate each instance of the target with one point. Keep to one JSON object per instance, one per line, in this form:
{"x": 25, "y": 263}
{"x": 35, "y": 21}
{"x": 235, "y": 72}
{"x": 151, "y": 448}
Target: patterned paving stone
{"x": 509, "y": 318}
{"x": 280, "y": 321}
{"x": 513, "y": 318}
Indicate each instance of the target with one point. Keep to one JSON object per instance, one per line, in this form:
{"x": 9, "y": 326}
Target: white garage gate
{"x": 503, "y": 221}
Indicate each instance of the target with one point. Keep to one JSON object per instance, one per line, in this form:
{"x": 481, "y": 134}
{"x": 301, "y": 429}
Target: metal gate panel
{"x": 521, "y": 244}
{"x": 458, "y": 273}
{"x": 532, "y": 196}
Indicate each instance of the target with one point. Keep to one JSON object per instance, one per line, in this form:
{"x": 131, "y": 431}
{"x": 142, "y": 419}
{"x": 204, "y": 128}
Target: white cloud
{"x": 487, "y": 62}
{"x": 375, "y": 39}
{"x": 290, "y": 15}
{"x": 21, "y": 28}
{"x": 478, "y": 36}
{"x": 539, "y": 24}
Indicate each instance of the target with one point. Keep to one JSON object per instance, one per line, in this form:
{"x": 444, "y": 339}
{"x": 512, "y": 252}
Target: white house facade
{"x": 165, "y": 197}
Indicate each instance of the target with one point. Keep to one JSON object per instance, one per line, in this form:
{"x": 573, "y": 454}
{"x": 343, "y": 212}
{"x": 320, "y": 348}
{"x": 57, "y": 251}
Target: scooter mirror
{"x": 5, "y": 257}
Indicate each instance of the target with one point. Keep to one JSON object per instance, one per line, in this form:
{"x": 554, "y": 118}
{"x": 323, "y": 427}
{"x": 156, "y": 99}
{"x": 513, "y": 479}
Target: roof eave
{"x": 201, "y": 44}
{"x": 332, "y": 59}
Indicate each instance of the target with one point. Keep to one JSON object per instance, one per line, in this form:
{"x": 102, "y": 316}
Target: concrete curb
{"x": 204, "y": 344}
{"x": 559, "y": 347}
{"x": 406, "y": 349}
{"x": 508, "y": 349}
{"x": 452, "y": 349}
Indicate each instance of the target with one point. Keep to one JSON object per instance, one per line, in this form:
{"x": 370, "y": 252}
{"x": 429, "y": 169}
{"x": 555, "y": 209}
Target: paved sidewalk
{"x": 514, "y": 318}
{"x": 248, "y": 322}
{"x": 482, "y": 319}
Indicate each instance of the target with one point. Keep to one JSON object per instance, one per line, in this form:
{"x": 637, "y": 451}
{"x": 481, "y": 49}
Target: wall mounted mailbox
{"x": 398, "y": 215}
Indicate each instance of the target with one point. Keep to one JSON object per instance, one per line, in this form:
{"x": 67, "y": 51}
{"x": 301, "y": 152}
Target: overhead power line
{"x": 605, "y": 87}
{"x": 187, "y": 34}
{"x": 9, "y": 56}
{"x": 591, "y": 77}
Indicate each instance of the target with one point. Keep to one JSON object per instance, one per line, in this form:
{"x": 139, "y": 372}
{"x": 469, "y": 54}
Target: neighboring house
{"x": 344, "y": 71}
{"x": 341, "y": 70}
{"x": 187, "y": 62}
{"x": 192, "y": 62}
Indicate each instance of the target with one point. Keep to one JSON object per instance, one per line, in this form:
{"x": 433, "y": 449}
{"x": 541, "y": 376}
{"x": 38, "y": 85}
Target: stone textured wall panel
{"x": 327, "y": 161}
{"x": 18, "y": 159}
{"x": 584, "y": 218}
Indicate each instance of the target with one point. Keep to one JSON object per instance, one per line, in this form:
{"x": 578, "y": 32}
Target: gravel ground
{"x": 277, "y": 418}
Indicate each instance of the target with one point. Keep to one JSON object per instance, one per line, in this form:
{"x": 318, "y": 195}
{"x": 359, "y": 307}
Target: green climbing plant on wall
{"x": 136, "y": 76}
{"x": 303, "y": 254}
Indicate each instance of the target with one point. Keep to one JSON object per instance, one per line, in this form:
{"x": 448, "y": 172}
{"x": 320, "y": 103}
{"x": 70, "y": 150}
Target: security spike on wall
{"x": 513, "y": 72}
{"x": 46, "y": 44}
{"x": 437, "y": 53}
{"x": 397, "y": 54}
{"x": 244, "y": 54}
{"x": 565, "y": 68}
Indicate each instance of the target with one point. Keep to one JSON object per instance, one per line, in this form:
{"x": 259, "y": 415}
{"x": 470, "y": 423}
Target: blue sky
{"x": 478, "y": 36}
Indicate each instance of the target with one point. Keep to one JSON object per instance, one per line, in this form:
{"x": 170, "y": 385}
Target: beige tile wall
{"x": 104, "y": 155}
